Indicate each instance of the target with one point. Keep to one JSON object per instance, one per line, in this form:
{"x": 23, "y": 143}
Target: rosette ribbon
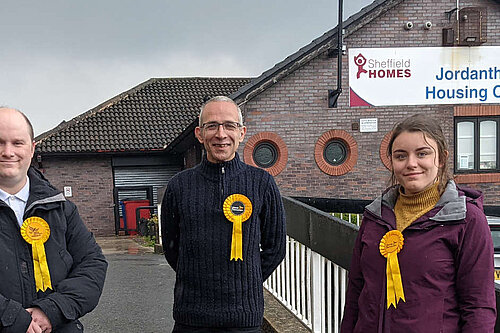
{"x": 389, "y": 246}
{"x": 36, "y": 231}
{"x": 237, "y": 209}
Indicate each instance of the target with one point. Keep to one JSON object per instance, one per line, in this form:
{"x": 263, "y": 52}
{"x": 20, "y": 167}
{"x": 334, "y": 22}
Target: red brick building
{"x": 287, "y": 105}
{"x": 313, "y": 150}
{"x": 126, "y": 148}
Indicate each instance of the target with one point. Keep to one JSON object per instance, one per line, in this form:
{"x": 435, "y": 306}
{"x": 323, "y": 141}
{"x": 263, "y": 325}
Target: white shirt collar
{"x": 23, "y": 194}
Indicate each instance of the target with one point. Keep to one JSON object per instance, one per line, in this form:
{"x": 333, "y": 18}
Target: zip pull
{"x": 222, "y": 181}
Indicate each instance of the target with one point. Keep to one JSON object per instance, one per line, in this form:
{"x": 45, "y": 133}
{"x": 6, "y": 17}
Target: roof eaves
{"x": 188, "y": 130}
{"x": 311, "y": 50}
{"x": 110, "y": 102}
{"x": 181, "y": 118}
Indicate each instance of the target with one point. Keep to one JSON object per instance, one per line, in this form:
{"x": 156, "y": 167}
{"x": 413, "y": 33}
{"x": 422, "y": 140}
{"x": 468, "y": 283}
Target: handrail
{"x": 138, "y": 212}
{"x": 317, "y": 244}
{"x": 311, "y": 281}
{"x": 314, "y": 229}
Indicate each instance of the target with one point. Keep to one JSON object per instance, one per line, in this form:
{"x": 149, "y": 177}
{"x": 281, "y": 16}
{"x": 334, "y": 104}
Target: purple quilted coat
{"x": 446, "y": 266}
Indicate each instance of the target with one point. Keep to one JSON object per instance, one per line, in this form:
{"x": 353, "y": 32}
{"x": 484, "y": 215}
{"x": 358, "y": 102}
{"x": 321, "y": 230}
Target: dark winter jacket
{"x": 76, "y": 264}
{"x": 211, "y": 290}
{"x": 446, "y": 267}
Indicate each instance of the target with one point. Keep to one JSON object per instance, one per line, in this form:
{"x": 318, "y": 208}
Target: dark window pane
{"x": 265, "y": 155}
{"x": 495, "y": 234}
{"x": 335, "y": 152}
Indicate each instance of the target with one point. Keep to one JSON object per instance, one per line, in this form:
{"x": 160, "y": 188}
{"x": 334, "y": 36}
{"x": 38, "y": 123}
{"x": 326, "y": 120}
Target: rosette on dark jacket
{"x": 76, "y": 264}
{"x": 211, "y": 290}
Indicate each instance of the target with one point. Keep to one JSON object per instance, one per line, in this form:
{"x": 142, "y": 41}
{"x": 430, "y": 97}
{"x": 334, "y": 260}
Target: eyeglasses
{"x": 213, "y": 126}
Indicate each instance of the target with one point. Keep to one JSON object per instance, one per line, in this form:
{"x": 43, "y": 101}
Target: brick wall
{"x": 192, "y": 156}
{"x": 91, "y": 180}
{"x": 295, "y": 108}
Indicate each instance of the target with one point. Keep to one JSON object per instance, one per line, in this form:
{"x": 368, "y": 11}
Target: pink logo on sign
{"x": 360, "y": 61}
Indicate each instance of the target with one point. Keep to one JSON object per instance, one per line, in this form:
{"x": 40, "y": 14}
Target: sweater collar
{"x": 230, "y": 167}
{"x": 452, "y": 203}
{"x": 409, "y": 207}
{"x": 420, "y": 199}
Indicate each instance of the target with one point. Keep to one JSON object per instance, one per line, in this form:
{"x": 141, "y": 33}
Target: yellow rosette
{"x": 389, "y": 246}
{"x": 36, "y": 231}
{"x": 237, "y": 209}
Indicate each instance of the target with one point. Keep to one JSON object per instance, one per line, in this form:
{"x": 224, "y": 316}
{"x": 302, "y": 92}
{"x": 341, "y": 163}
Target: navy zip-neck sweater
{"x": 211, "y": 290}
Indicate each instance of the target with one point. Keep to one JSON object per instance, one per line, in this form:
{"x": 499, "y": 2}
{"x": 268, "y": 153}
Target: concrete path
{"x": 138, "y": 293}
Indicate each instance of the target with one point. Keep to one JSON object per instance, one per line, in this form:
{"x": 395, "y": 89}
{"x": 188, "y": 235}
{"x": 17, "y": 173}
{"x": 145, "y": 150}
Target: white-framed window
{"x": 465, "y": 145}
{"x": 476, "y": 144}
{"x": 487, "y": 145}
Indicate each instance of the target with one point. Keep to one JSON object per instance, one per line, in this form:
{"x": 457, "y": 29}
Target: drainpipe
{"x": 333, "y": 95}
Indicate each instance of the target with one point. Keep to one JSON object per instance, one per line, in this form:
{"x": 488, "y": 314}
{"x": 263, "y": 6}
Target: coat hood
{"x": 452, "y": 202}
{"x": 41, "y": 191}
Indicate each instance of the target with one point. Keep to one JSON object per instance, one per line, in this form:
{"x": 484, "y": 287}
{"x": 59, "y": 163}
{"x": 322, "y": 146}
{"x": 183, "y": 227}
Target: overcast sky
{"x": 60, "y": 58}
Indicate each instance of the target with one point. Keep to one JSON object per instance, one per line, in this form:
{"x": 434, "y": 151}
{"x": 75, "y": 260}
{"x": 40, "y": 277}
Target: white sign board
{"x": 424, "y": 75}
{"x": 68, "y": 193}
{"x": 368, "y": 125}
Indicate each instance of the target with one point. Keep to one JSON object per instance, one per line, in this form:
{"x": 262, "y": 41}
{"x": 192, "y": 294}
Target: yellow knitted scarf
{"x": 408, "y": 208}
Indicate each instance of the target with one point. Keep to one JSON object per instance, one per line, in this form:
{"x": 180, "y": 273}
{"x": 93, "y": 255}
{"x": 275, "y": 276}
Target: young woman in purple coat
{"x": 423, "y": 258}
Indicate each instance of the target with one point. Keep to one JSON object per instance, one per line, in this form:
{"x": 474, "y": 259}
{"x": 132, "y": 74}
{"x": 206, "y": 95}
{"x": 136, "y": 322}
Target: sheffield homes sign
{"x": 424, "y": 75}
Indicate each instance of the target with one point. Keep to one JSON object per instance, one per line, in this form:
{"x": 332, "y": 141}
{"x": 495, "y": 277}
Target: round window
{"x": 265, "y": 155}
{"x": 335, "y": 152}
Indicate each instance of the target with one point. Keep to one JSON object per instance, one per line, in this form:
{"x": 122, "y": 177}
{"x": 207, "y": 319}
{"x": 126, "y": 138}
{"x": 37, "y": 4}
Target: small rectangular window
{"x": 476, "y": 144}
{"x": 488, "y": 145}
{"x": 465, "y": 145}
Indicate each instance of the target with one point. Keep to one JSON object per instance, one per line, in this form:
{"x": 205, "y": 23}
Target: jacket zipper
{"x": 223, "y": 171}
{"x": 19, "y": 260}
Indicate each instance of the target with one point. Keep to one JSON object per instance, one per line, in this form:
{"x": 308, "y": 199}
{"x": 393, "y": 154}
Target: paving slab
{"x": 122, "y": 245}
{"x": 138, "y": 292}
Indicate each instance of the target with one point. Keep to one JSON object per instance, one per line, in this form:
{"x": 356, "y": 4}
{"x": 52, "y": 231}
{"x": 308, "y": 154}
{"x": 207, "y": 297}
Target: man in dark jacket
{"x": 223, "y": 228}
{"x": 51, "y": 269}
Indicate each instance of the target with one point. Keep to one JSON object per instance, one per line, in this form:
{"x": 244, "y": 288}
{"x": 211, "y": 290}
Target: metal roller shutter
{"x": 155, "y": 176}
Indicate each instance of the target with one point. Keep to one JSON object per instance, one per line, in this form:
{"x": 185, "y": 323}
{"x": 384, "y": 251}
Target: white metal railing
{"x": 349, "y": 217}
{"x": 311, "y": 287}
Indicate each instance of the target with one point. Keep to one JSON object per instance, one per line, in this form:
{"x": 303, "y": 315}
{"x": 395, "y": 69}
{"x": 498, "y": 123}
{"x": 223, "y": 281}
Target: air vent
{"x": 471, "y": 26}
{"x": 448, "y": 37}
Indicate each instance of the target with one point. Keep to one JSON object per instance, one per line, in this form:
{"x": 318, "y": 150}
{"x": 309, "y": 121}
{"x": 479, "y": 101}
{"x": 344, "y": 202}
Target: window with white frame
{"x": 476, "y": 144}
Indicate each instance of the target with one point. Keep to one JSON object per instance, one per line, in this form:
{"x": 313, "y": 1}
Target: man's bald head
{"x": 30, "y": 127}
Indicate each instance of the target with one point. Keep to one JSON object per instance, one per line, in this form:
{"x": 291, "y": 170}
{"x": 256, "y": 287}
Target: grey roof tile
{"x": 147, "y": 117}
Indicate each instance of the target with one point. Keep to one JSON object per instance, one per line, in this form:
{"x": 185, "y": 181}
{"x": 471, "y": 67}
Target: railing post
{"x": 316, "y": 288}
{"x": 159, "y": 225}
